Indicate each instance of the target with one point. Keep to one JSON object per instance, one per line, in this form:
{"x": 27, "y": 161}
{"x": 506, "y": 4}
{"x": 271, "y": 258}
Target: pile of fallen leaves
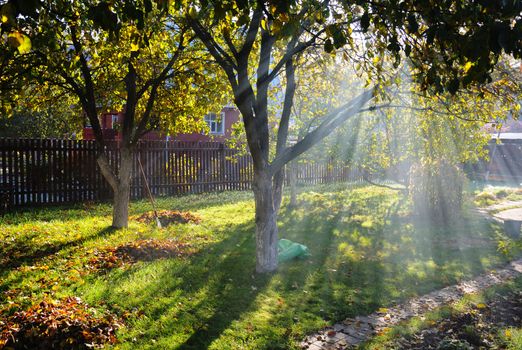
{"x": 64, "y": 324}
{"x": 167, "y": 217}
{"x": 140, "y": 250}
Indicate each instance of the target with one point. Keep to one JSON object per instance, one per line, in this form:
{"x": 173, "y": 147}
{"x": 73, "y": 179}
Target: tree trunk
{"x": 279, "y": 182}
{"x": 293, "y": 183}
{"x": 266, "y": 223}
{"x": 120, "y": 214}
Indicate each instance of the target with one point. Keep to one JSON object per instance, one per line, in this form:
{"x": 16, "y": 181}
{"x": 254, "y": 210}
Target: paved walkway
{"x": 503, "y": 205}
{"x": 353, "y": 331}
{"x": 496, "y": 212}
{"x": 510, "y": 214}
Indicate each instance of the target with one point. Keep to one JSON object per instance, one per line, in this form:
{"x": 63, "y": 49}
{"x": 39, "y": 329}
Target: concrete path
{"x": 493, "y": 212}
{"x": 510, "y": 214}
{"x": 503, "y": 205}
{"x": 353, "y": 331}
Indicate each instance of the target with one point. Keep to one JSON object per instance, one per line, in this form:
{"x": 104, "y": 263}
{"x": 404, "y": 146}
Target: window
{"x": 216, "y": 124}
{"x": 114, "y": 121}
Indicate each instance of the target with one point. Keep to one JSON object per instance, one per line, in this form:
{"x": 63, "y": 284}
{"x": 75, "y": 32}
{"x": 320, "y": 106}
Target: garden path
{"x": 354, "y": 331}
{"x": 495, "y": 208}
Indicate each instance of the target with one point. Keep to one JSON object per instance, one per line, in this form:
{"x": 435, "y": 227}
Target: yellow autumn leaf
{"x": 4, "y": 19}
{"x": 467, "y": 66}
{"x": 481, "y": 306}
{"x": 134, "y": 47}
{"x": 382, "y": 310}
{"x": 284, "y": 17}
{"x": 193, "y": 13}
{"x": 383, "y": 331}
{"x": 20, "y": 41}
{"x": 507, "y": 333}
{"x": 264, "y": 24}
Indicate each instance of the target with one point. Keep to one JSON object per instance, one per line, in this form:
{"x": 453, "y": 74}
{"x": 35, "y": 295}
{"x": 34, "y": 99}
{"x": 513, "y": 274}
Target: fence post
{"x": 222, "y": 175}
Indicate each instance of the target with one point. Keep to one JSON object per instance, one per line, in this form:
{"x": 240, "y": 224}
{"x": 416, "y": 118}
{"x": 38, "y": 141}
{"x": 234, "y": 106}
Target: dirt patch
{"x": 65, "y": 324}
{"x": 168, "y": 217}
{"x": 477, "y": 328}
{"x": 140, "y": 250}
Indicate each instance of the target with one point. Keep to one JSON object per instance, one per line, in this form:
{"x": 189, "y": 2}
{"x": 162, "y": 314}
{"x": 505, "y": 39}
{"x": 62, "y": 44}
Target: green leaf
{"x": 365, "y": 21}
{"x": 412, "y": 26}
{"x": 328, "y": 46}
{"x": 339, "y": 39}
{"x": 453, "y": 86}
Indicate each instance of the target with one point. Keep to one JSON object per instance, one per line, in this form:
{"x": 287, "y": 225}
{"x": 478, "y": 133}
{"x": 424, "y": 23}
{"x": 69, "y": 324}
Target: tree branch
{"x": 221, "y": 57}
{"x": 162, "y": 76}
{"x": 331, "y": 121}
{"x": 251, "y": 35}
{"x": 282, "y": 132}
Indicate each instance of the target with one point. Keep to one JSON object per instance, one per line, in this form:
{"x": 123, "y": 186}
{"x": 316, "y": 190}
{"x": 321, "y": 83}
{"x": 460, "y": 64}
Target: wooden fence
{"x": 503, "y": 165}
{"x": 45, "y": 171}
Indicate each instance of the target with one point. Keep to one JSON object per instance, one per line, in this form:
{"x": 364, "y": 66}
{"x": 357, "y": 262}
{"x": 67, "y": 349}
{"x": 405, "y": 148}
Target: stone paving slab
{"x": 353, "y": 331}
{"x": 510, "y": 214}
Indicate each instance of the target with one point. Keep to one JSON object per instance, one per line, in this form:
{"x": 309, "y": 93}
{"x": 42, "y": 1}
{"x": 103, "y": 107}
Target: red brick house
{"x": 220, "y": 127}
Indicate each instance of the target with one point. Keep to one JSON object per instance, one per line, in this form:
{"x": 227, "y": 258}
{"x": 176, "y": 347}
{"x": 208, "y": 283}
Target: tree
{"x": 441, "y": 39}
{"x": 44, "y": 124}
{"x": 133, "y": 56}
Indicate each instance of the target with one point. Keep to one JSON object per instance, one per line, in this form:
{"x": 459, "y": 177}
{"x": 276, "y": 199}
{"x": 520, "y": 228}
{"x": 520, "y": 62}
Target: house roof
{"x": 506, "y": 126}
{"x": 507, "y": 136}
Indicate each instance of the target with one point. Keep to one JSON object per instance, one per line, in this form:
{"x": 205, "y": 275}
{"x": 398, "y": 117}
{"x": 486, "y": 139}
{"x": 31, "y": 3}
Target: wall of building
{"x": 231, "y": 116}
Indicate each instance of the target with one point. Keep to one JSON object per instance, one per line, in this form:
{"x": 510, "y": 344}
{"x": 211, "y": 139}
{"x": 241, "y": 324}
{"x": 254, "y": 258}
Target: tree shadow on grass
{"x": 21, "y": 251}
{"x": 356, "y": 267}
{"x": 198, "y": 297}
{"x": 369, "y": 267}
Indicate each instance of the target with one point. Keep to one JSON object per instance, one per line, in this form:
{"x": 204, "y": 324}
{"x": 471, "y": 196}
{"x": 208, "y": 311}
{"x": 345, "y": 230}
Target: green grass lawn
{"x": 366, "y": 251}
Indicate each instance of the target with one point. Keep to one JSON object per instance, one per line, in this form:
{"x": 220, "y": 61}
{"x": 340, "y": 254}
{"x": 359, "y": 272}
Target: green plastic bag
{"x": 288, "y": 250}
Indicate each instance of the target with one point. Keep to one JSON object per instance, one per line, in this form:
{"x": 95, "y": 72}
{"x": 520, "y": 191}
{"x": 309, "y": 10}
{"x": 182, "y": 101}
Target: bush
{"x": 436, "y": 191}
{"x": 483, "y": 199}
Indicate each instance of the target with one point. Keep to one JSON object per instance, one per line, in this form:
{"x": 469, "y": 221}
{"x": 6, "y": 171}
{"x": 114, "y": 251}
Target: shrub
{"x": 436, "y": 191}
{"x": 483, "y": 199}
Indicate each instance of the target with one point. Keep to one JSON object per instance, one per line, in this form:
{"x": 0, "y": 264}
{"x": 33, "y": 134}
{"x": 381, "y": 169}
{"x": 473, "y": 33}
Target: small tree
{"x": 131, "y": 56}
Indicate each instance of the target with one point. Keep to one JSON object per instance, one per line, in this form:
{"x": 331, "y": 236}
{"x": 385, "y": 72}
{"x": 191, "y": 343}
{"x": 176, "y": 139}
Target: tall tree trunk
{"x": 120, "y": 214}
{"x": 266, "y": 223}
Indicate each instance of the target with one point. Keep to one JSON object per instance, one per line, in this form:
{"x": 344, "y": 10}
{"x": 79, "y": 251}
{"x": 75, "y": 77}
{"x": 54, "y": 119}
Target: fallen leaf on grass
{"x": 140, "y": 250}
{"x": 167, "y": 217}
{"x": 383, "y": 331}
{"x": 65, "y": 324}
